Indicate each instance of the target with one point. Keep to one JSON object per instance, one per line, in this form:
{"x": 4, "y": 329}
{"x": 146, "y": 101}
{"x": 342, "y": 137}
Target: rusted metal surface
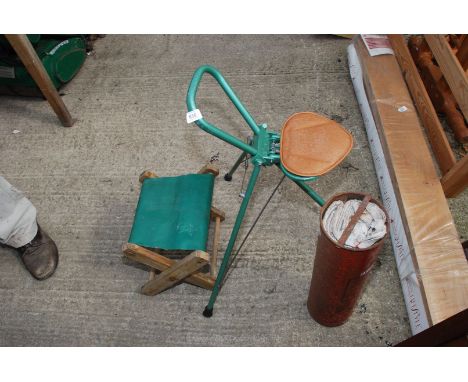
{"x": 437, "y": 87}
{"x": 339, "y": 273}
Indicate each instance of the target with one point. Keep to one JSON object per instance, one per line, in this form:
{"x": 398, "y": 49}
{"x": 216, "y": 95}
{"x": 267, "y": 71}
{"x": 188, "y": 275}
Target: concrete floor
{"x": 129, "y": 100}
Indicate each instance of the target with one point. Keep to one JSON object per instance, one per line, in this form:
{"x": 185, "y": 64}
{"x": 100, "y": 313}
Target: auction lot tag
{"x": 193, "y": 116}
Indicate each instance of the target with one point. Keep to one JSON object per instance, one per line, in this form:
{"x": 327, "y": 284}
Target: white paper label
{"x": 377, "y": 44}
{"x": 7, "y": 72}
{"x": 194, "y": 115}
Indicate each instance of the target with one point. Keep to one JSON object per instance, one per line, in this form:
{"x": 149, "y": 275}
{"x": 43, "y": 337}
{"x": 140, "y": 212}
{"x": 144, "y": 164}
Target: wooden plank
{"x": 435, "y": 247}
{"x": 161, "y": 263}
{"x": 216, "y": 212}
{"x": 435, "y": 132}
{"x": 462, "y": 54}
{"x": 33, "y": 64}
{"x": 437, "y": 87}
{"x": 214, "y": 250}
{"x": 456, "y": 180}
{"x": 412, "y": 293}
{"x": 451, "y": 68}
{"x": 176, "y": 273}
{"x": 442, "y": 334}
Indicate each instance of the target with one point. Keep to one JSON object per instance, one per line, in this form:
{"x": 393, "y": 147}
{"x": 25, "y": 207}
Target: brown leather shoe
{"x": 40, "y": 256}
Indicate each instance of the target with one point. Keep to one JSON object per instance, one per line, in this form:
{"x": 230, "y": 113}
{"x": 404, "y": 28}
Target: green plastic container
{"x": 62, "y": 60}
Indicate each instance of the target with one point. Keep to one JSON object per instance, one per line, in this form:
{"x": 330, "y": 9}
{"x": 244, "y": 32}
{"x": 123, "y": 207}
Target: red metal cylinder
{"x": 339, "y": 273}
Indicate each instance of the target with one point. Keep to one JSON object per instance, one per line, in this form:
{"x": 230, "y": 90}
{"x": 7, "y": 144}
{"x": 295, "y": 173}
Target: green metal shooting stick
{"x": 263, "y": 150}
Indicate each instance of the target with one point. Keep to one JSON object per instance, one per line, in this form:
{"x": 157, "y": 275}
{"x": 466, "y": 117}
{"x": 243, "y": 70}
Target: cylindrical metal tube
{"x": 339, "y": 273}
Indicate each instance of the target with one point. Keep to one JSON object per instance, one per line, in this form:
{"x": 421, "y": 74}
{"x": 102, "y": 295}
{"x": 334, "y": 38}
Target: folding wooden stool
{"x": 173, "y": 214}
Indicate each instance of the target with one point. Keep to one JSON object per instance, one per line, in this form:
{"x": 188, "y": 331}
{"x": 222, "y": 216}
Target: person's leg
{"x": 17, "y": 216}
{"x": 19, "y": 229}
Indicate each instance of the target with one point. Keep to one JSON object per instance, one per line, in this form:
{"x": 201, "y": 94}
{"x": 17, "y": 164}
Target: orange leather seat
{"x": 312, "y": 145}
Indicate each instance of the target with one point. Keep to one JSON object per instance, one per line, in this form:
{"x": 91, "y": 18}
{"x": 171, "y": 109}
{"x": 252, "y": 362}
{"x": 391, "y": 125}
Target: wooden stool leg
{"x": 209, "y": 169}
{"x": 214, "y": 251}
{"x": 161, "y": 263}
{"x": 218, "y": 216}
{"x": 179, "y": 271}
{"x": 33, "y": 64}
{"x": 147, "y": 174}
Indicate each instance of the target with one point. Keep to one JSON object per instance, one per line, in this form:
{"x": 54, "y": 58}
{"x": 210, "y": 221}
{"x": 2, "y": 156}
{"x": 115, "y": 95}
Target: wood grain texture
{"x": 450, "y": 332}
{"x": 462, "y": 54}
{"x": 433, "y": 238}
{"x": 161, "y": 263}
{"x": 456, "y": 180}
{"x": 435, "y": 132}
{"x": 145, "y": 175}
{"x": 214, "y": 250}
{"x": 451, "y": 68}
{"x": 209, "y": 169}
{"x": 217, "y": 213}
{"x": 33, "y": 64}
{"x": 176, "y": 273}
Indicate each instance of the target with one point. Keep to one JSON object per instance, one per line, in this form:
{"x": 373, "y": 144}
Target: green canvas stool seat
{"x": 173, "y": 214}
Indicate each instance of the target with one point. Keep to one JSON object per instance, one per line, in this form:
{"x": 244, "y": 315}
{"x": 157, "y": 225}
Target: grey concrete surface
{"x": 129, "y": 100}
